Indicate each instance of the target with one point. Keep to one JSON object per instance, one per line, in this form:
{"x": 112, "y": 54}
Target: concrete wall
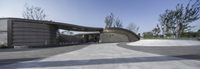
{"x": 113, "y": 37}
{"x": 118, "y": 35}
{"x": 70, "y": 39}
{"x": 33, "y": 34}
{"x": 3, "y": 32}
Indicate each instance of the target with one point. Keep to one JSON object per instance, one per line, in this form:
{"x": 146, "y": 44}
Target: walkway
{"x": 107, "y": 56}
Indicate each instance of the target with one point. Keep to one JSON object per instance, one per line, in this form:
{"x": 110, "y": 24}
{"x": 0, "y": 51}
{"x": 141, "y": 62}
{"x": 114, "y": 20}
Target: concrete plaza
{"x": 109, "y": 56}
{"x": 165, "y": 42}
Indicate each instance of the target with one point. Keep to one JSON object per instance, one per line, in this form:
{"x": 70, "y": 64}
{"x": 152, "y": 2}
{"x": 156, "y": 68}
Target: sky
{"x": 143, "y": 13}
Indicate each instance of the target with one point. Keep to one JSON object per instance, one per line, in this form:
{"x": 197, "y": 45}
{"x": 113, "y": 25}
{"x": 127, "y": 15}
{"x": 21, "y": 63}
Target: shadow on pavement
{"x": 12, "y": 56}
{"x": 41, "y": 64}
{"x": 10, "y": 61}
{"x": 38, "y": 48}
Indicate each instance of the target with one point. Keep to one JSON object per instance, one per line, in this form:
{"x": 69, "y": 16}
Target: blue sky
{"x": 144, "y": 13}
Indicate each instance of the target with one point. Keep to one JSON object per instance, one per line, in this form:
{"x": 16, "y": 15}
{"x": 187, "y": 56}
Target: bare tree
{"x": 118, "y": 23}
{"x": 156, "y": 31}
{"x": 109, "y": 20}
{"x": 177, "y": 21}
{"x": 35, "y": 13}
{"x": 133, "y": 27}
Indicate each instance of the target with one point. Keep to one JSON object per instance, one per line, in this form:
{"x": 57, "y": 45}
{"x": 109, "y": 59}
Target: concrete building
{"x": 26, "y": 32}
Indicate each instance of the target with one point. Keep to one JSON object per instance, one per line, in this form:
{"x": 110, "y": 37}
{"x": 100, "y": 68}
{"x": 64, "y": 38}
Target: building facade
{"x": 26, "y": 32}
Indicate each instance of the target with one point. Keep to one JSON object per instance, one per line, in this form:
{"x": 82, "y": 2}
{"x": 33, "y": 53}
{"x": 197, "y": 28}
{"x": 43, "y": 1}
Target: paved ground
{"x": 108, "y": 56}
{"x": 9, "y": 56}
{"x": 166, "y": 47}
{"x": 160, "y": 42}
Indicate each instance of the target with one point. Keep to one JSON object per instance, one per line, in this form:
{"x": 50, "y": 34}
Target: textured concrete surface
{"x": 159, "y": 42}
{"x": 9, "y": 56}
{"x": 113, "y": 37}
{"x": 166, "y": 47}
{"x": 108, "y": 56}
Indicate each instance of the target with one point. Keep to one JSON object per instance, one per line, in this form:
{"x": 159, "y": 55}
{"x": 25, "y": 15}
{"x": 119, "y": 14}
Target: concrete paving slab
{"x": 159, "y": 42}
{"x": 107, "y": 56}
{"x": 9, "y": 56}
{"x": 166, "y": 47}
